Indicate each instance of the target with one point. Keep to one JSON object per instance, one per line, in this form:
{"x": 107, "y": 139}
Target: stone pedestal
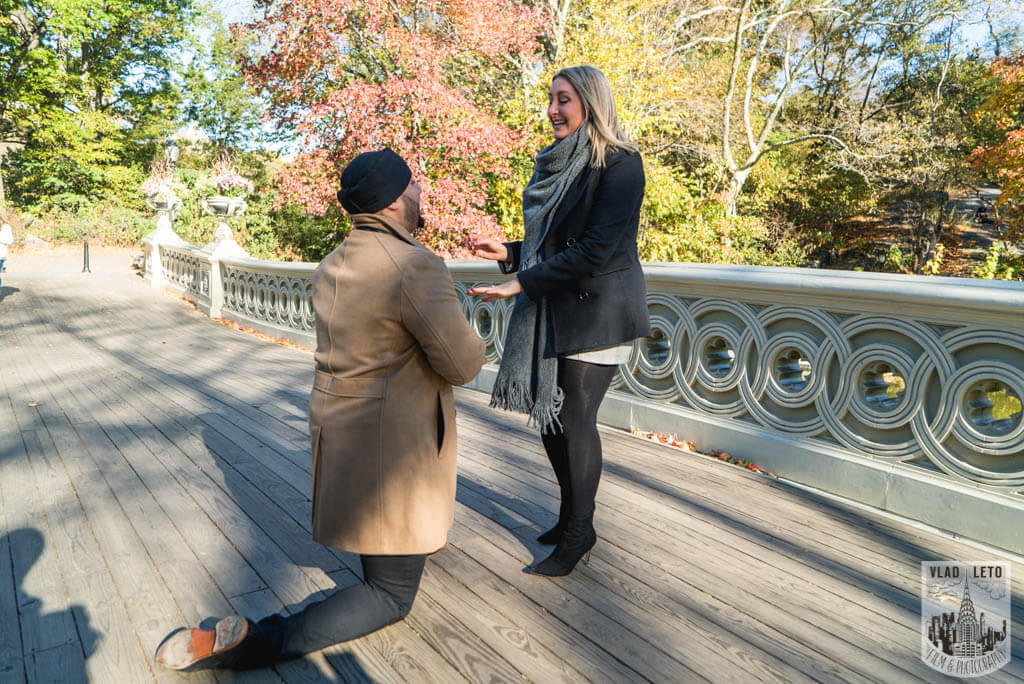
{"x": 223, "y": 246}
{"x": 164, "y": 235}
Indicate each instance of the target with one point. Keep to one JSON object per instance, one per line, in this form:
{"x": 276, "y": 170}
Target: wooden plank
{"x": 602, "y": 622}
{"x": 229, "y": 569}
{"x": 676, "y": 555}
{"x": 758, "y": 657}
{"x": 492, "y": 625}
{"x": 211, "y": 398}
{"x": 589, "y": 658}
{"x": 195, "y": 593}
{"x": 288, "y": 417}
{"x": 99, "y": 446}
{"x": 759, "y": 662}
{"x": 34, "y": 561}
{"x": 474, "y": 659}
{"x": 292, "y": 582}
{"x": 63, "y": 664}
{"x": 12, "y": 667}
{"x": 103, "y": 627}
{"x": 273, "y": 519}
{"x": 805, "y": 598}
{"x": 906, "y": 595}
{"x": 852, "y": 535}
{"x": 138, "y": 615}
{"x": 801, "y": 549}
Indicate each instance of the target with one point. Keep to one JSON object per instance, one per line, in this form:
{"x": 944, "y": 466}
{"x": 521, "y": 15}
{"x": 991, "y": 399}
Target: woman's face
{"x": 565, "y": 109}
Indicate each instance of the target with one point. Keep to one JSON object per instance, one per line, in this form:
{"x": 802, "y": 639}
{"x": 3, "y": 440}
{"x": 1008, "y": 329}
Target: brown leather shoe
{"x": 193, "y": 649}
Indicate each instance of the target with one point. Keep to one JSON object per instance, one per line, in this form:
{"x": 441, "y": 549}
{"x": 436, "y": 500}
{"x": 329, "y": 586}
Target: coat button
{"x": 583, "y": 295}
{"x": 570, "y": 242}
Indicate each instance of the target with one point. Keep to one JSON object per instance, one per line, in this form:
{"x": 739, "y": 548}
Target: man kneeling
{"x": 391, "y": 342}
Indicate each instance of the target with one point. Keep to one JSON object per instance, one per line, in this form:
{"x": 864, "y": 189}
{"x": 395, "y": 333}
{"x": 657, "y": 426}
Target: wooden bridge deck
{"x": 154, "y": 471}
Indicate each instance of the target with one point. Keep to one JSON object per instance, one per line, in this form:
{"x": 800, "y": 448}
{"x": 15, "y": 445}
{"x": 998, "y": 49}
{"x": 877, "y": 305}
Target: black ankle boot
{"x": 554, "y": 535}
{"x": 577, "y": 541}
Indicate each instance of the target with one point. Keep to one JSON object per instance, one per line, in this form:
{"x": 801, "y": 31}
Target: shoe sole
{"x": 174, "y": 651}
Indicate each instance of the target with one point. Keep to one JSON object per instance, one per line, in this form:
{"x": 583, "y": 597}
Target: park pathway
{"x": 154, "y": 471}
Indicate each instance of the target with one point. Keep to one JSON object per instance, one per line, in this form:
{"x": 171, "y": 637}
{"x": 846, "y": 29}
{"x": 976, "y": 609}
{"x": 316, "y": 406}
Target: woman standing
{"x": 580, "y": 295}
{"x": 6, "y": 238}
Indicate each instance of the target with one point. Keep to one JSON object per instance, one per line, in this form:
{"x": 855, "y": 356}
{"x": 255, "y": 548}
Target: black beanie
{"x": 372, "y": 181}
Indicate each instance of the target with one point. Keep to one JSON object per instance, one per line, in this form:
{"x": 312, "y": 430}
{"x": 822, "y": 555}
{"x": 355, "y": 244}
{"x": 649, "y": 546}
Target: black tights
{"x": 575, "y": 449}
{"x": 385, "y": 596}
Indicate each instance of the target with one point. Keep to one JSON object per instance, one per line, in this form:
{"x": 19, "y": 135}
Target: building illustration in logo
{"x": 964, "y": 634}
{"x": 965, "y": 610}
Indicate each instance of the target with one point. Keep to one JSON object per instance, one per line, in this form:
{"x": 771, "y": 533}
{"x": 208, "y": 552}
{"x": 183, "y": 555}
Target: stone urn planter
{"x": 163, "y": 202}
{"x": 224, "y": 206}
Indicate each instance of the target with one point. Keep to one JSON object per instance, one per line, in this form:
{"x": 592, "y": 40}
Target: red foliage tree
{"x": 1004, "y": 159}
{"x": 414, "y": 75}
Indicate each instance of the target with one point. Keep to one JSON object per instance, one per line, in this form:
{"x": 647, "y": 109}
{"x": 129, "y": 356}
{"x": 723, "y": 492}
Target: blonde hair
{"x": 599, "y": 115}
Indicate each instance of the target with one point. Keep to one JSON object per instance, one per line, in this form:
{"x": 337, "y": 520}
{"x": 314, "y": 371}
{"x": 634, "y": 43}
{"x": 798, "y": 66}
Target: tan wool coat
{"x": 391, "y": 342}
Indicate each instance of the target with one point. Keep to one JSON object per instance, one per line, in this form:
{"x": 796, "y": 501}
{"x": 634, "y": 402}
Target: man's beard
{"x": 413, "y": 219}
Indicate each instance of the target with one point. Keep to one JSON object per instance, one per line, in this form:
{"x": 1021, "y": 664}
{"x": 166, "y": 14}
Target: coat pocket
{"x": 610, "y": 269}
{"x": 445, "y": 422}
{"x": 349, "y": 387}
{"x": 440, "y": 423}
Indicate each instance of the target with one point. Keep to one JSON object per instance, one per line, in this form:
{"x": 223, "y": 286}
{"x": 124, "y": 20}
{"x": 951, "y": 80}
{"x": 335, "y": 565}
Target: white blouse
{"x": 605, "y": 356}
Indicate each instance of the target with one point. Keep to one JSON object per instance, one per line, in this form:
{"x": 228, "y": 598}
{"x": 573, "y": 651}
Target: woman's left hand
{"x": 502, "y": 291}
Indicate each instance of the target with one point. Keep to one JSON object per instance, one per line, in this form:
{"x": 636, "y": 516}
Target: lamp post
{"x": 171, "y": 154}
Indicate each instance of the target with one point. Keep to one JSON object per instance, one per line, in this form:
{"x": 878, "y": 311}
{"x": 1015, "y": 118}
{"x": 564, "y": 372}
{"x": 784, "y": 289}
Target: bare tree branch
{"x": 945, "y": 67}
{"x": 737, "y": 51}
{"x": 683, "y": 21}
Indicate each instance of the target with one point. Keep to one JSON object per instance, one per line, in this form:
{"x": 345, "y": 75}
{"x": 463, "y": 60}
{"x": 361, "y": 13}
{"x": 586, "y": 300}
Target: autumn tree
{"x": 668, "y": 97}
{"x": 1003, "y": 158}
{"x": 838, "y": 52}
{"x": 420, "y": 76}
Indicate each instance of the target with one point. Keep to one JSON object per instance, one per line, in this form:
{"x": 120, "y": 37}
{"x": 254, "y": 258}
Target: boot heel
{"x": 574, "y": 547}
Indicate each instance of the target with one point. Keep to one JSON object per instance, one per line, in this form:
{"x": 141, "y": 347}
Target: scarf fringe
{"x": 546, "y": 417}
{"x": 513, "y": 396}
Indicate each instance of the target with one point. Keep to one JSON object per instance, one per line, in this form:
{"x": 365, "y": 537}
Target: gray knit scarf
{"x": 527, "y": 379}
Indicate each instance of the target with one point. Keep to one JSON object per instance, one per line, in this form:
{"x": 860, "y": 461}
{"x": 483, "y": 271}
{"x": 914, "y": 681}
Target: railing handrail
{"x": 997, "y": 297}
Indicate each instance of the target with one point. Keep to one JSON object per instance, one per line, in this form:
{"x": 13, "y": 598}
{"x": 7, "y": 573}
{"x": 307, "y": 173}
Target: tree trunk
{"x": 737, "y": 179}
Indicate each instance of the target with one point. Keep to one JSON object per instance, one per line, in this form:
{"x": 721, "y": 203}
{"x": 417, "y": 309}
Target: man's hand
{"x": 487, "y": 248}
{"x": 503, "y": 291}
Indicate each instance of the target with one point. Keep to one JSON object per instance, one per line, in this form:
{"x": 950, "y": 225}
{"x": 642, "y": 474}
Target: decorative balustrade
{"x": 185, "y": 269}
{"x": 275, "y": 294}
{"x": 899, "y": 368}
{"x": 901, "y": 392}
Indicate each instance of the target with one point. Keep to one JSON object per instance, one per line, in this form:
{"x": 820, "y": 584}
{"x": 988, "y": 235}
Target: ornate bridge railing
{"x": 900, "y": 392}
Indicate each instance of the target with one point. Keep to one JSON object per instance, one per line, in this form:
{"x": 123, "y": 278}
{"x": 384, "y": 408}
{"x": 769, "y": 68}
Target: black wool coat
{"x": 591, "y": 272}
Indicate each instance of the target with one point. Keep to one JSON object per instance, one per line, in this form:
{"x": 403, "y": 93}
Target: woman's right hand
{"x": 488, "y": 248}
